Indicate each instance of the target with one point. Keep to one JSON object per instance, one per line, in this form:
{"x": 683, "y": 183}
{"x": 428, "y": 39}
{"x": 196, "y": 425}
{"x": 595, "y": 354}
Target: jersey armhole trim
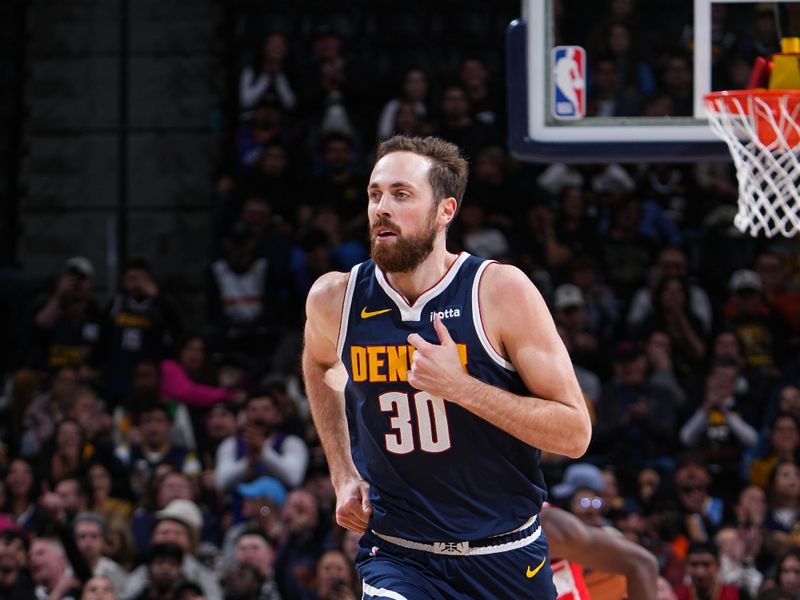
{"x": 348, "y": 301}
{"x": 477, "y": 321}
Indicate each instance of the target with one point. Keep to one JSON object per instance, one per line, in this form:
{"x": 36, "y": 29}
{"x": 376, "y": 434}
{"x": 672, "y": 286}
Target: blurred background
{"x": 174, "y": 175}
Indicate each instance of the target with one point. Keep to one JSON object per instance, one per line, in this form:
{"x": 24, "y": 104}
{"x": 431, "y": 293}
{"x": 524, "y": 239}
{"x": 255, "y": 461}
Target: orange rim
{"x": 771, "y": 97}
{"x": 737, "y": 104}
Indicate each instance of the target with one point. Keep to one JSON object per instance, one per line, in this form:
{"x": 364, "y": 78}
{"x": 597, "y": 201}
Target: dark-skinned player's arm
{"x": 324, "y": 379}
{"x": 520, "y": 328}
{"x": 601, "y": 550}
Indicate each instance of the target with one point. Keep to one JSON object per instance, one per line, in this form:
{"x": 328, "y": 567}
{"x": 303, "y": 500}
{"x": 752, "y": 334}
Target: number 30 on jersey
{"x": 432, "y": 427}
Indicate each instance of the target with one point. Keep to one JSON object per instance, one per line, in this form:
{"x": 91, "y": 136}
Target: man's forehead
{"x": 400, "y": 167}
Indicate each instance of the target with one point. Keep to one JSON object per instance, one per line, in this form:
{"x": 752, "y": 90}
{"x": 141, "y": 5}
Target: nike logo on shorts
{"x": 531, "y": 573}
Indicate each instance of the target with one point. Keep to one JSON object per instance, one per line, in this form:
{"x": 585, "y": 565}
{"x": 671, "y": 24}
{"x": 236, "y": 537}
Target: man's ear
{"x": 447, "y": 210}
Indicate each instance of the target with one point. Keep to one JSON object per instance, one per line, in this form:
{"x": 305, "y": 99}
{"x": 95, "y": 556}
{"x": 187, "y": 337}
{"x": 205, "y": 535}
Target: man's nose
{"x": 383, "y": 205}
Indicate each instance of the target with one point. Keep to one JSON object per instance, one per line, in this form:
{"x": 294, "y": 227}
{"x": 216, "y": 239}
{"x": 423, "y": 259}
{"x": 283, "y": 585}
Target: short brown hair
{"x": 448, "y": 173}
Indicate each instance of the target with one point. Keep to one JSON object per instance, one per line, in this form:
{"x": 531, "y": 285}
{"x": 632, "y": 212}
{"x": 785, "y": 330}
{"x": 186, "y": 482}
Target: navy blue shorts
{"x": 393, "y": 572}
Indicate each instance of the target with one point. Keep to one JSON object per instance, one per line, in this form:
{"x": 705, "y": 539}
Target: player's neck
{"x": 415, "y": 283}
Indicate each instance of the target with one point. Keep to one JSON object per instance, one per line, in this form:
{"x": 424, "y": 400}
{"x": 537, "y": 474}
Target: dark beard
{"x": 406, "y": 253}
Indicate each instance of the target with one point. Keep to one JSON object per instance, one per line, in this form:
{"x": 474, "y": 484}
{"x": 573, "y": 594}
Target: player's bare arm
{"x": 519, "y": 326}
{"x": 323, "y": 376}
{"x": 598, "y": 549}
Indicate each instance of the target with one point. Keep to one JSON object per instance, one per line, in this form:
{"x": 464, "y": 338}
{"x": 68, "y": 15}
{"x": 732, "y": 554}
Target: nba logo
{"x": 569, "y": 82}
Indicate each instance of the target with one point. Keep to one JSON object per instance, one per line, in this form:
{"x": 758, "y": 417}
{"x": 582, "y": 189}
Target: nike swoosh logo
{"x": 366, "y": 314}
{"x": 530, "y": 573}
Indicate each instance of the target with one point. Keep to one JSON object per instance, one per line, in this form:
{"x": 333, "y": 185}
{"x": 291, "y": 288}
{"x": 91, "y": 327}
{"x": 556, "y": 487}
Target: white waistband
{"x": 464, "y": 548}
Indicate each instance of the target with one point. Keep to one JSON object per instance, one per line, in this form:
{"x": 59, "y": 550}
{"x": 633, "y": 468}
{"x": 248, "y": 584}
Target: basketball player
{"x": 578, "y": 546}
{"x": 435, "y": 380}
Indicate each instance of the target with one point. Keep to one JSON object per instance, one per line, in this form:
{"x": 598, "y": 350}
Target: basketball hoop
{"x": 762, "y": 132}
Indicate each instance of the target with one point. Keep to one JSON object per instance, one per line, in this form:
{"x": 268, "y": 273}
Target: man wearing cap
{"x": 262, "y": 501}
{"x": 178, "y": 523}
{"x": 171, "y": 486}
{"x": 569, "y": 313}
{"x": 67, "y": 326}
{"x": 580, "y": 490}
{"x": 761, "y": 333}
{"x": 576, "y": 476}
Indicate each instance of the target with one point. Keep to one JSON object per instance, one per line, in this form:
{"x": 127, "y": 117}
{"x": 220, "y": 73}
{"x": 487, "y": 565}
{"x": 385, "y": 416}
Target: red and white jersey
{"x": 568, "y": 579}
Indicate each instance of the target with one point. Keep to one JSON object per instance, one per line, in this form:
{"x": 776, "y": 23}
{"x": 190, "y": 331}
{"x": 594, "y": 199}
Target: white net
{"x": 763, "y": 136}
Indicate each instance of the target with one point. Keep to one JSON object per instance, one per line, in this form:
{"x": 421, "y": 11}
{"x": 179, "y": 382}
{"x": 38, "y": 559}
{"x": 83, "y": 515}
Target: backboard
{"x": 623, "y": 80}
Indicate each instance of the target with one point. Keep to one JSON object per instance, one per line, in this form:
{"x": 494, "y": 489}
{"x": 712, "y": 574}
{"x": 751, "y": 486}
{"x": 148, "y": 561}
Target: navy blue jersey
{"x": 436, "y": 471}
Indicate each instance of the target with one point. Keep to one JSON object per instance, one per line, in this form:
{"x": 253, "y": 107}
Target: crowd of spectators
{"x": 162, "y": 458}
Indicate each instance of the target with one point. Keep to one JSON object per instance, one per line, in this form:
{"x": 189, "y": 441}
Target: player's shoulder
{"x": 326, "y": 298}
{"x": 327, "y": 293}
{"x": 507, "y": 297}
{"x": 501, "y": 279}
